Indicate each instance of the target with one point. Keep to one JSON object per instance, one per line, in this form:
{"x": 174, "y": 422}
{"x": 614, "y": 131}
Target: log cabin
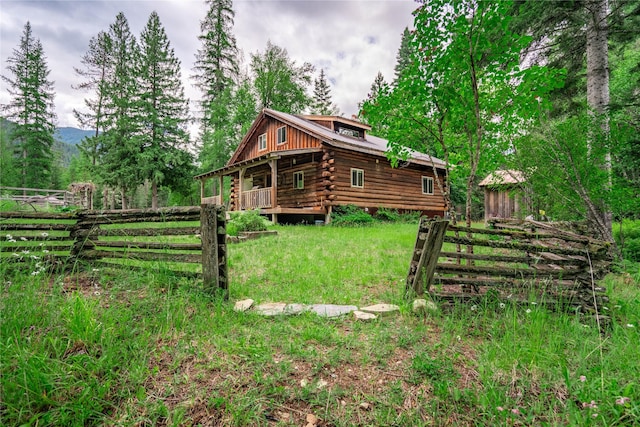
{"x": 305, "y": 165}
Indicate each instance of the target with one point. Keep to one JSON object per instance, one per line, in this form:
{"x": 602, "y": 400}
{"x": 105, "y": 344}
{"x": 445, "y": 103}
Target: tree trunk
{"x": 598, "y": 103}
{"x": 154, "y": 194}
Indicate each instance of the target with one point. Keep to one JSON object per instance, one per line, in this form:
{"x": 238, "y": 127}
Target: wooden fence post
{"x": 425, "y": 257}
{"x": 213, "y": 233}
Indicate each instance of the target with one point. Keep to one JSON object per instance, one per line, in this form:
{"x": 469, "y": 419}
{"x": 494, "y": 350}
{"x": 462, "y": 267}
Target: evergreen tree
{"x": 321, "y": 103}
{"x": 216, "y": 70}
{"x": 119, "y": 144}
{"x": 279, "y": 83}
{"x": 403, "y": 58}
{"x": 162, "y": 110}
{"x": 98, "y": 69}
{"x": 378, "y": 87}
{"x": 31, "y": 108}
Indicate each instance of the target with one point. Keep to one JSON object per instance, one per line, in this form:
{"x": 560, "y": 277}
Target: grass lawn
{"x": 130, "y": 348}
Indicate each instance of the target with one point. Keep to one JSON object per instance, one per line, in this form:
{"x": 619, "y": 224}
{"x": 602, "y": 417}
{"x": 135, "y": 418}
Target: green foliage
{"x": 350, "y": 216}
{"x": 279, "y": 83}
{"x": 246, "y": 221}
{"x": 392, "y": 215}
{"x": 627, "y": 236}
{"x": 463, "y": 95}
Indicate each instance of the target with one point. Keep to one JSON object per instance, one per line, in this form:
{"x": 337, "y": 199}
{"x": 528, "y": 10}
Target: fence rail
{"x": 516, "y": 258}
{"x": 170, "y": 236}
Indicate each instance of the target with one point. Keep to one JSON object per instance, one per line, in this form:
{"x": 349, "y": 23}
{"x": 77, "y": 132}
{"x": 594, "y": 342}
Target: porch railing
{"x": 259, "y": 198}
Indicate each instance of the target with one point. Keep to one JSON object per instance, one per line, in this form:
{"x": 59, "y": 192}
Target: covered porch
{"x": 254, "y": 184}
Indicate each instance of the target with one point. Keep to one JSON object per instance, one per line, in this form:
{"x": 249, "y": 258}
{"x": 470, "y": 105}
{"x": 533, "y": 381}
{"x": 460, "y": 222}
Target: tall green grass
{"x": 134, "y": 348}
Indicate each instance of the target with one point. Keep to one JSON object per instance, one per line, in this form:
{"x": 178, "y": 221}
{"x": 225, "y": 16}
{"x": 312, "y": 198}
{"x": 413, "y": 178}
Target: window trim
{"x": 360, "y": 173}
{"x": 298, "y": 178}
{"x": 262, "y": 138}
{"x": 427, "y": 179}
{"x": 278, "y": 135}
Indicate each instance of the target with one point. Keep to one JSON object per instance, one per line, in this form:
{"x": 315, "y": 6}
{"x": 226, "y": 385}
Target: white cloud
{"x": 351, "y": 39}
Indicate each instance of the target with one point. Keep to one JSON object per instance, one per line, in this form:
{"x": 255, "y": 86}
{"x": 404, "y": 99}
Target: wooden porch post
{"x": 274, "y": 188}
{"x": 201, "y": 189}
{"x": 221, "y": 189}
{"x": 241, "y": 179}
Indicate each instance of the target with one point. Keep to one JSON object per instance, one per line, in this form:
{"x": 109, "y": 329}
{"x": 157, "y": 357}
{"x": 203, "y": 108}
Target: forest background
{"x": 548, "y": 88}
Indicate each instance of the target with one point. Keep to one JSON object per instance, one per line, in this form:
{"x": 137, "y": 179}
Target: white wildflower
{"x": 502, "y": 305}
{"x": 9, "y": 237}
{"x": 44, "y": 234}
{"x": 12, "y": 240}
{"x": 34, "y": 273}
{"x": 534, "y": 303}
{"x": 44, "y": 251}
{"x": 24, "y": 239}
{"x": 474, "y": 307}
{"x": 528, "y": 311}
{"x": 25, "y": 252}
{"x": 629, "y": 325}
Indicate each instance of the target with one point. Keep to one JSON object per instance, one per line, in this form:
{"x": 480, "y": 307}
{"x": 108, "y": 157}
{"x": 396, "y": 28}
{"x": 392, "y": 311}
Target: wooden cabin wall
{"x": 500, "y": 203}
{"x": 296, "y": 139}
{"x": 289, "y": 197}
{"x": 384, "y": 186}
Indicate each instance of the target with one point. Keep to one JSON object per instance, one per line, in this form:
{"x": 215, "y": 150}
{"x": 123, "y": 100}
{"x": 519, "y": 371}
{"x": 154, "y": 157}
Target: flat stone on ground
{"x": 381, "y": 308}
{"x": 361, "y": 315}
{"x": 332, "y": 310}
{"x": 270, "y": 308}
{"x": 295, "y": 308}
{"x": 243, "y": 305}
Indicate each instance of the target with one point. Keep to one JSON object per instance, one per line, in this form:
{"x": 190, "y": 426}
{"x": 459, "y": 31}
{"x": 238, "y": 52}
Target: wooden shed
{"x": 503, "y": 190}
{"x": 305, "y": 165}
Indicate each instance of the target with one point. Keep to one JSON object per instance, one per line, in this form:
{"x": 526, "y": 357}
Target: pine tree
{"x": 163, "y": 110}
{"x": 118, "y": 152}
{"x": 216, "y": 69}
{"x": 321, "y": 103}
{"x": 98, "y": 68}
{"x": 31, "y": 108}
{"x": 403, "y": 58}
{"x": 279, "y": 83}
{"x": 379, "y": 86}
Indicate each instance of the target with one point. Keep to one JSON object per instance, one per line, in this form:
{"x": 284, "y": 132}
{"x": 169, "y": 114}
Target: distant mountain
{"x": 71, "y": 135}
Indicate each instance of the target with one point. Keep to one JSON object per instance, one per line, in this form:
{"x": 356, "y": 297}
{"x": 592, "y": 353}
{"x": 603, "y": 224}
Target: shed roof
{"x": 503, "y": 177}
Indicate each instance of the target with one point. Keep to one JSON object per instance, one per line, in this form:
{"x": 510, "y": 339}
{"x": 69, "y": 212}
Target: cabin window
{"x": 282, "y": 135}
{"x": 357, "y": 178}
{"x": 427, "y": 185}
{"x": 262, "y": 142}
{"x": 298, "y": 180}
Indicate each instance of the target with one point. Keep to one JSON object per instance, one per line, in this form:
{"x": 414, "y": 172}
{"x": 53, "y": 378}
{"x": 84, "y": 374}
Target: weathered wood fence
{"x": 517, "y": 258}
{"x": 171, "y": 236}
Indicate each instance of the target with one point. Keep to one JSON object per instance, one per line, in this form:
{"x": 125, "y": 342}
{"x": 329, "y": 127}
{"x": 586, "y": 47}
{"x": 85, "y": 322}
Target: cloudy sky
{"x": 350, "y": 39}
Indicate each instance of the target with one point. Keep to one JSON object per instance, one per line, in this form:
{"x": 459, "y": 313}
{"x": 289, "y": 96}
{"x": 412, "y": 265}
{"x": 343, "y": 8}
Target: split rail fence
{"x": 123, "y": 239}
{"x": 522, "y": 259}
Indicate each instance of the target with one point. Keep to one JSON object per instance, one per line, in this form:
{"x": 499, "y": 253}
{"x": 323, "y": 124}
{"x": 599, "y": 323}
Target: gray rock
{"x": 381, "y": 309}
{"x": 332, "y": 310}
{"x": 361, "y": 315}
{"x": 422, "y": 306}
{"x": 243, "y": 305}
{"x": 270, "y": 309}
{"x": 295, "y": 308}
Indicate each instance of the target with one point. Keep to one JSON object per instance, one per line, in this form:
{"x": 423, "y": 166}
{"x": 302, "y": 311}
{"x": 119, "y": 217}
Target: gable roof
{"x": 369, "y": 144}
{"x": 503, "y": 177}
